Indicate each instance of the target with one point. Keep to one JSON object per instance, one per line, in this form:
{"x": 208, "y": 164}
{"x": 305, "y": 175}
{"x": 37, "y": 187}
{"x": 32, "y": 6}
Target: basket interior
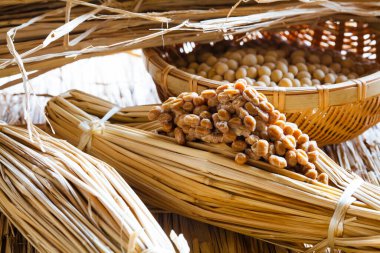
{"x": 348, "y": 36}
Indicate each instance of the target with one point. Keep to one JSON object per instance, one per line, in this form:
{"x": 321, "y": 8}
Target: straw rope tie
{"x": 337, "y": 220}
{"x": 94, "y": 126}
{"x": 279, "y": 98}
{"x": 324, "y": 96}
{"x": 336, "y": 225}
{"x": 164, "y": 78}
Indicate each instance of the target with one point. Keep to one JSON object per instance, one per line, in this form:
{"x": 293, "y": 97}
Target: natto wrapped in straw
{"x": 200, "y": 180}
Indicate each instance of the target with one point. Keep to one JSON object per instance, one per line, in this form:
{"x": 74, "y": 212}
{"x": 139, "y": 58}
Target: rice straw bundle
{"x": 63, "y": 200}
{"x": 203, "y": 183}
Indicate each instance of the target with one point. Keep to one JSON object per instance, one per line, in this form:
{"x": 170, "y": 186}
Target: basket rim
{"x": 283, "y": 98}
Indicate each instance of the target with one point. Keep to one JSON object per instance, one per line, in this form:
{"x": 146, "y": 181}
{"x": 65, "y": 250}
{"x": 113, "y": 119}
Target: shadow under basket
{"x": 330, "y": 113}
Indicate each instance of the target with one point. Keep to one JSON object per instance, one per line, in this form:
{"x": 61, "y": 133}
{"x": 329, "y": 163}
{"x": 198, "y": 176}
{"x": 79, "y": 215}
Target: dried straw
{"x": 63, "y": 200}
{"x": 101, "y": 29}
{"x": 258, "y": 200}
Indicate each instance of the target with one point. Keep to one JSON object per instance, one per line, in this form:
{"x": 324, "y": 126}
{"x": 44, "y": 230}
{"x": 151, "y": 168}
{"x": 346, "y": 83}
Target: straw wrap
{"x": 201, "y": 181}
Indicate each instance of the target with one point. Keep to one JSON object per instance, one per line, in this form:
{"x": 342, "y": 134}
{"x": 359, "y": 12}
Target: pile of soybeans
{"x": 268, "y": 64}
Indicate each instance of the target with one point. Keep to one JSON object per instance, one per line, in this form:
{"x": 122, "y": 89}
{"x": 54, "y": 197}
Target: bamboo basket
{"x": 328, "y": 113}
{"x": 63, "y": 200}
{"x": 200, "y": 182}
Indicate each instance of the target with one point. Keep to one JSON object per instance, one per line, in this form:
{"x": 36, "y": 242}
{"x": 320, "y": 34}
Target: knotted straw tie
{"x": 337, "y": 219}
{"x": 93, "y": 126}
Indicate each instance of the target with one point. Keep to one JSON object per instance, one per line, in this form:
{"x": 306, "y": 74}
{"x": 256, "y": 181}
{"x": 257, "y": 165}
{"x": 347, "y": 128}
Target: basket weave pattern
{"x": 328, "y": 113}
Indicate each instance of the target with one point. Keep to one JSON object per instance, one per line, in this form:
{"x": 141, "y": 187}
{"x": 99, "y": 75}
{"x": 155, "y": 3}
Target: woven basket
{"x": 329, "y": 113}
